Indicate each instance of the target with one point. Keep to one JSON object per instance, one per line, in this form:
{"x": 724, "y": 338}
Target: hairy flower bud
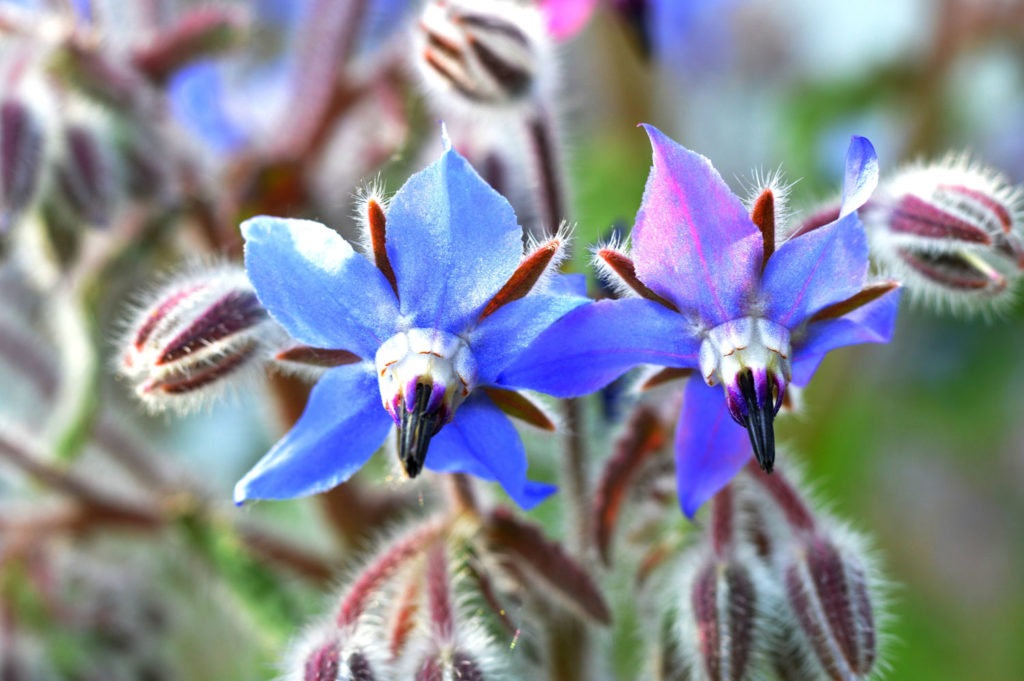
{"x": 328, "y": 662}
{"x": 21, "y": 159}
{"x": 85, "y": 176}
{"x": 827, "y": 585}
{"x": 723, "y": 599}
{"x": 489, "y": 53}
{"x": 951, "y": 232}
{"x": 195, "y": 338}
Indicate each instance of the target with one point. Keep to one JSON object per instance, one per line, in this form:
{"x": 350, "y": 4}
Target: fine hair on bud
{"x": 951, "y": 231}
{"x": 724, "y": 598}
{"x": 195, "y": 337}
{"x": 831, "y": 605}
{"x": 478, "y": 56}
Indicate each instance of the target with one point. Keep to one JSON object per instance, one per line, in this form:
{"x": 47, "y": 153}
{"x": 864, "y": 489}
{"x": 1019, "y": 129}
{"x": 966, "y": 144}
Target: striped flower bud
{"x": 21, "y": 159}
{"x": 951, "y": 231}
{"x": 828, "y": 587}
{"x": 195, "y": 338}
{"x": 724, "y": 605}
{"x": 85, "y": 176}
{"x": 331, "y": 662}
{"x": 482, "y": 53}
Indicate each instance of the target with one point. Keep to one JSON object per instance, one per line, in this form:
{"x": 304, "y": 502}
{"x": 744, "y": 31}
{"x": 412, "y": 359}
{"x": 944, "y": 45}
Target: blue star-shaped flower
{"x": 715, "y": 296}
{"x": 427, "y": 320}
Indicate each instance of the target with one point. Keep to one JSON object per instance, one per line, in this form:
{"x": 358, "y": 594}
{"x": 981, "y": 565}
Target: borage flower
{"x": 715, "y": 295}
{"x": 426, "y": 323}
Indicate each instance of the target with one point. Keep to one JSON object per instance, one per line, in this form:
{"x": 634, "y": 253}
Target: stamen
{"x": 517, "y": 406}
{"x": 378, "y": 233}
{"x": 417, "y": 427}
{"x": 763, "y": 216}
{"x": 868, "y": 294}
{"x": 524, "y": 278}
{"x": 760, "y": 421}
{"x": 624, "y": 268}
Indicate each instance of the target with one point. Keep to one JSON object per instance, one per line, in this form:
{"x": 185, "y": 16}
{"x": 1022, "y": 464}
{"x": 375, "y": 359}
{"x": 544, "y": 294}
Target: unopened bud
{"x": 951, "y": 232}
{"x": 21, "y": 156}
{"x": 333, "y": 662}
{"x": 827, "y": 585}
{"x": 489, "y": 53}
{"x": 195, "y": 338}
{"x": 85, "y": 176}
{"x": 724, "y": 606}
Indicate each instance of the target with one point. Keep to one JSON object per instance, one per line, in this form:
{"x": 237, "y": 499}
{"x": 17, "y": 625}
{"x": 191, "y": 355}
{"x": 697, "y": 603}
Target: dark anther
{"x": 415, "y": 431}
{"x": 760, "y": 422}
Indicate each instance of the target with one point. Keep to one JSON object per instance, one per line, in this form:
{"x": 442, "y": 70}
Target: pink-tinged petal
{"x": 482, "y": 442}
{"x": 710, "y": 447}
{"x": 598, "y": 342}
{"x": 566, "y": 18}
{"x": 342, "y": 426}
{"x": 861, "y": 174}
{"x": 694, "y": 242}
{"x": 815, "y": 270}
{"x": 317, "y": 287}
{"x": 871, "y": 323}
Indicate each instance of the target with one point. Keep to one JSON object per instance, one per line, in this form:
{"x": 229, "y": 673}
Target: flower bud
{"x": 85, "y": 179}
{"x": 951, "y": 232}
{"x": 827, "y": 585}
{"x": 195, "y": 338}
{"x": 328, "y": 662}
{"x": 21, "y": 159}
{"x": 724, "y": 606}
{"x": 482, "y": 53}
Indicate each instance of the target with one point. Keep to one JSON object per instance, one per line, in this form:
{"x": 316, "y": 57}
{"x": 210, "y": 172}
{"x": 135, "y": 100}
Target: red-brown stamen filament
{"x": 517, "y": 406}
{"x": 318, "y": 357}
{"x": 377, "y": 221}
{"x": 524, "y": 278}
{"x": 870, "y": 293}
{"x": 763, "y": 216}
{"x": 666, "y": 375}
{"x": 625, "y": 269}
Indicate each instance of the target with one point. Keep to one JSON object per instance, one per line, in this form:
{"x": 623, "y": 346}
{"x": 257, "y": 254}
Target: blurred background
{"x": 918, "y": 443}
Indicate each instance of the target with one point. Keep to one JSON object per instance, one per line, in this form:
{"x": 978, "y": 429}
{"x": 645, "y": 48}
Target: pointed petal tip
{"x": 446, "y": 140}
{"x": 534, "y": 493}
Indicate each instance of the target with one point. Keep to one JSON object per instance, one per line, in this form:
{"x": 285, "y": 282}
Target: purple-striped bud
{"x": 724, "y": 604}
{"x": 21, "y": 159}
{"x": 85, "y": 179}
{"x": 196, "y": 338}
{"x": 330, "y": 662}
{"x": 449, "y": 666}
{"x": 951, "y": 232}
{"x": 482, "y": 53}
{"x": 828, "y": 587}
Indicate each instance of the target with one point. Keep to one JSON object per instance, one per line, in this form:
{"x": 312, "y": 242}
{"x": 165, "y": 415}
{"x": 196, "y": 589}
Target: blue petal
{"x": 694, "y": 242}
{"x": 567, "y": 285}
{"x": 196, "y": 95}
{"x": 710, "y": 447}
{"x": 872, "y": 323}
{"x": 596, "y": 343}
{"x": 815, "y": 270}
{"x": 481, "y": 441}
{"x": 318, "y": 288}
{"x": 342, "y": 426}
{"x": 503, "y": 335}
{"x": 453, "y": 242}
{"x": 861, "y": 174}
